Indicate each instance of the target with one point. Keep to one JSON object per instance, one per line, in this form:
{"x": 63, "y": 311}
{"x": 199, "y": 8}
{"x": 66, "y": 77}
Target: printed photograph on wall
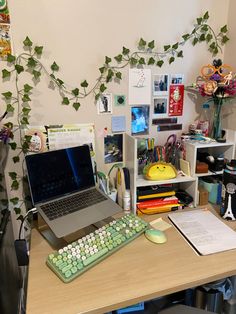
{"x": 140, "y": 86}
{"x": 5, "y": 41}
{"x": 104, "y": 104}
{"x": 160, "y": 84}
{"x": 160, "y": 107}
{"x": 176, "y": 79}
{"x": 176, "y": 100}
{"x": 4, "y": 12}
{"x": 120, "y": 100}
{"x": 113, "y": 148}
{"x": 140, "y": 120}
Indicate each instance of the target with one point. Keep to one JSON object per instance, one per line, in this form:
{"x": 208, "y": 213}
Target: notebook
{"x": 63, "y": 190}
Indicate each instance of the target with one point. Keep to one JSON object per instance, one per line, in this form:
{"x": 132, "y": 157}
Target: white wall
{"x": 78, "y": 34}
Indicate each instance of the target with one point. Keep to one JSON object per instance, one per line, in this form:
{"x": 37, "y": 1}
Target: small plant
{"x": 29, "y": 62}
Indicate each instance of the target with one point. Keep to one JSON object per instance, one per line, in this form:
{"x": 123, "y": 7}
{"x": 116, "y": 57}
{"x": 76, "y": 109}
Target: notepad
{"x": 204, "y": 231}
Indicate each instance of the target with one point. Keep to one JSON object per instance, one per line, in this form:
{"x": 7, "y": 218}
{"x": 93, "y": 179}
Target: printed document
{"x": 207, "y": 233}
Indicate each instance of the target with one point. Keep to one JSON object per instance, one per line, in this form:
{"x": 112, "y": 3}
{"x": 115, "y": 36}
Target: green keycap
{"x": 64, "y": 264}
{"x": 68, "y": 274}
{"x": 95, "y": 257}
{"x": 66, "y": 268}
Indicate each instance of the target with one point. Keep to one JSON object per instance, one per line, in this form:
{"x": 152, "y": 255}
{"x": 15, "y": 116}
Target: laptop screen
{"x": 56, "y": 173}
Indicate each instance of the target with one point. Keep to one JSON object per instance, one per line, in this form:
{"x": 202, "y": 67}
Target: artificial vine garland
{"x": 29, "y": 61}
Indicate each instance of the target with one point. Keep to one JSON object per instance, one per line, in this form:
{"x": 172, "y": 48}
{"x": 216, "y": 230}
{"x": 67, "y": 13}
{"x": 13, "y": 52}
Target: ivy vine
{"x": 29, "y": 61}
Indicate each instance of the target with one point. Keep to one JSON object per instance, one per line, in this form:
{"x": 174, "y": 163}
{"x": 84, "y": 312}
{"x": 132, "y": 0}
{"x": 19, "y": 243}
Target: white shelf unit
{"x": 187, "y": 183}
{"x": 215, "y": 149}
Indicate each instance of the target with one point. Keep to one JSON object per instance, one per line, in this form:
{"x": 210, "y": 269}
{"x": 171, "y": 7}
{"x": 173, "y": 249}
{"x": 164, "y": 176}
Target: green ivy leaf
{"x": 151, "y": 61}
{"x": 24, "y": 121}
{"x": 12, "y": 175}
{"x": 172, "y": 59}
{"x": 25, "y": 147}
{"x": 97, "y": 96}
{"x": 142, "y": 43}
{"x": 11, "y": 58}
{"x": 16, "y": 159}
{"x": 15, "y": 185}
{"x": 38, "y": 50}
{"x": 204, "y": 28}
{"x": 27, "y": 88}
{"x": 180, "y": 54}
{"x": 102, "y": 70}
{"x": 208, "y": 37}
{"x": 84, "y": 84}
{"x": 109, "y": 75}
{"x": 202, "y": 37}
{"x": 75, "y": 92}
{"x": 142, "y": 61}
{"x": 175, "y": 46}
{"x": 118, "y": 58}
{"x": 17, "y": 210}
{"x": 76, "y": 105}
{"x": 27, "y": 138}
{"x": 12, "y": 145}
{"x": 213, "y": 45}
{"x": 26, "y": 111}
{"x": 185, "y": 37}
{"x": 151, "y": 44}
{"x": 125, "y": 51}
{"x": 206, "y": 16}
{"x": 53, "y": 76}
{"x": 65, "y": 101}
{"x": 54, "y": 67}
{"x": 107, "y": 60}
{"x": 14, "y": 200}
{"x": 5, "y": 73}
{"x": 160, "y": 63}
{"x": 36, "y": 74}
{"x": 199, "y": 20}
{"x": 102, "y": 88}
{"x": 166, "y": 47}
{"x": 215, "y": 51}
{"x": 10, "y": 108}
{"x": 19, "y": 68}
{"x": 133, "y": 61}
{"x": 27, "y": 42}
{"x": 195, "y": 40}
{"x": 7, "y": 95}
{"x": 224, "y": 29}
{"x": 224, "y": 39}
{"x": 31, "y": 63}
{"x": 26, "y": 98}
{"x": 119, "y": 75}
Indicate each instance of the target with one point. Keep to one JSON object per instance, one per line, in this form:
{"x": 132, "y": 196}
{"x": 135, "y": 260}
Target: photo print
{"x": 160, "y": 107}
{"x": 104, "y": 104}
{"x": 120, "y": 100}
{"x": 113, "y": 148}
{"x": 176, "y": 79}
{"x": 140, "y": 120}
{"x": 160, "y": 84}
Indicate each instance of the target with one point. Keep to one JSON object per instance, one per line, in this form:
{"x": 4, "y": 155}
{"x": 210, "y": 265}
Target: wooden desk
{"x": 139, "y": 271}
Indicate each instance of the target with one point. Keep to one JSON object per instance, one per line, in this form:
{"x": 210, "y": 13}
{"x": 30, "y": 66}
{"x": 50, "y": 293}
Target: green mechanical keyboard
{"x": 77, "y": 257}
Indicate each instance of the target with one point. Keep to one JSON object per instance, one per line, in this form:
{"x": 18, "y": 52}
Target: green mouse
{"x": 155, "y": 236}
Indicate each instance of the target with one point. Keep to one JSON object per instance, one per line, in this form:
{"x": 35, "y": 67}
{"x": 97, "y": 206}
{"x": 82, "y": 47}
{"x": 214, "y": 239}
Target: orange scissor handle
{"x": 208, "y": 70}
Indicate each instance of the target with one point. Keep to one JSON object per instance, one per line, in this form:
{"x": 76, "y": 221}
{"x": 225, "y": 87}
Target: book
{"x": 158, "y": 209}
{"x": 156, "y": 195}
{"x": 147, "y": 190}
{"x": 158, "y": 202}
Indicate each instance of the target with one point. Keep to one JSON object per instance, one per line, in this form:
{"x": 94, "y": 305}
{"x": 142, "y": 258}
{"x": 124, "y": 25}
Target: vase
{"x": 216, "y": 132}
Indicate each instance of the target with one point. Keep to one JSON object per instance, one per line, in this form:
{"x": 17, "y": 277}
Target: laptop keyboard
{"x": 72, "y": 203}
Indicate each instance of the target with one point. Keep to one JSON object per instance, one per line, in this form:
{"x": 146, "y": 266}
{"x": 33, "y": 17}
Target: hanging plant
{"x": 29, "y": 61}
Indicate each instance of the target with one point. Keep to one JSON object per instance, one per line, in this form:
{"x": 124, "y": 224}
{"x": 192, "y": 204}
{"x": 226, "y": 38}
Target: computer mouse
{"x": 156, "y": 236}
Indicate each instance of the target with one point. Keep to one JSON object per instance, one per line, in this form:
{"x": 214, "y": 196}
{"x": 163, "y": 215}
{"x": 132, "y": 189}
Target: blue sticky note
{"x": 118, "y": 124}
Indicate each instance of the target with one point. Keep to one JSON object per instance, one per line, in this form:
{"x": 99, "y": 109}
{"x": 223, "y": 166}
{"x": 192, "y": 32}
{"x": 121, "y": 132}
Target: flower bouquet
{"x": 218, "y": 83}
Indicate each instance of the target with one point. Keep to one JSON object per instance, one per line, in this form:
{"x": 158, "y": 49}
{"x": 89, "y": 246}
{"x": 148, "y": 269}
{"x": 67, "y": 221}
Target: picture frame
{"x": 176, "y": 79}
{"x": 140, "y": 119}
{"x": 104, "y": 104}
{"x": 160, "y": 84}
{"x": 160, "y": 107}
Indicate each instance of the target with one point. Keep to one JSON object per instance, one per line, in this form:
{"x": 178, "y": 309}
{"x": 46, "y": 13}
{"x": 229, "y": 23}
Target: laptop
{"x": 63, "y": 190}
